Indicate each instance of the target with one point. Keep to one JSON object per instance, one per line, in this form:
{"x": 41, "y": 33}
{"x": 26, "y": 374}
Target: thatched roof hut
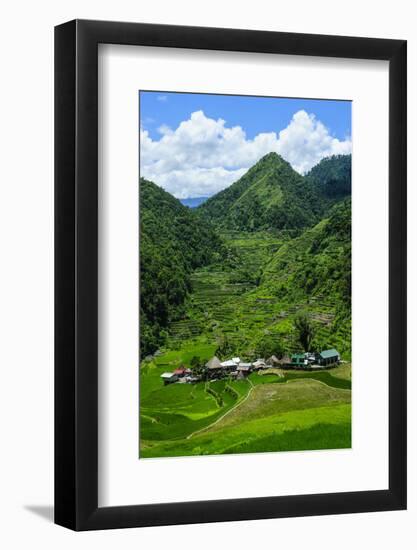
{"x": 273, "y": 361}
{"x": 214, "y": 363}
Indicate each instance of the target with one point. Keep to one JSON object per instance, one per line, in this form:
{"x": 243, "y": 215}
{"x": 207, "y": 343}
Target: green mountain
{"x": 270, "y": 195}
{"x": 314, "y": 272}
{"x": 270, "y": 276}
{"x": 332, "y": 176}
{"x": 310, "y": 219}
{"x": 173, "y": 242}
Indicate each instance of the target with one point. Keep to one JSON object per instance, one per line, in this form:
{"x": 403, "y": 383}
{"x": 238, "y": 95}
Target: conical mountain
{"x": 270, "y": 195}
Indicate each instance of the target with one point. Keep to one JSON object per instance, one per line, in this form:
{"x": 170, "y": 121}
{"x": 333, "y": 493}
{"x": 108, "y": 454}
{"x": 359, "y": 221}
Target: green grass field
{"x": 275, "y": 411}
{"x": 264, "y": 413}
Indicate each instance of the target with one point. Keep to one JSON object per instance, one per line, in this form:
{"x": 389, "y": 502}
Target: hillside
{"x": 271, "y": 195}
{"x": 314, "y": 269}
{"x": 247, "y": 306}
{"x": 332, "y": 176}
{"x": 310, "y": 271}
{"x": 173, "y": 242}
{"x": 280, "y": 251}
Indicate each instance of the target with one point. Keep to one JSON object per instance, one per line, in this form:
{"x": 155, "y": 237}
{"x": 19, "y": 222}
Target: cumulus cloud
{"x": 203, "y": 156}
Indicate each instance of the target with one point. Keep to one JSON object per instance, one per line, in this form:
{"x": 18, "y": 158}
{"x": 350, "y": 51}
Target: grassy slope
{"x": 303, "y": 414}
{"x": 227, "y": 300}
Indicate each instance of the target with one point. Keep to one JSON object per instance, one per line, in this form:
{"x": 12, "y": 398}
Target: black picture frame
{"x": 76, "y": 272}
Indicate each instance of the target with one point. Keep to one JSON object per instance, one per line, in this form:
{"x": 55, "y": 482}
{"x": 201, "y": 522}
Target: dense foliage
{"x": 317, "y": 263}
{"x": 270, "y": 195}
{"x": 173, "y": 242}
{"x": 315, "y": 269}
{"x": 281, "y": 245}
{"x": 304, "y": 330}
{"x": 273, "y": 278}
{"x": 332, "y": 177}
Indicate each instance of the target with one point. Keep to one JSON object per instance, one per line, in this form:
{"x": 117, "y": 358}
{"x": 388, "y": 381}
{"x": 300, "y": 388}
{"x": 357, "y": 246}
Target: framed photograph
{"x": 230, "y": 275}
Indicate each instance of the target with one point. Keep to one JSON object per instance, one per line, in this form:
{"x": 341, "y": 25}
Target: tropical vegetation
{"x": 262, "y": 268}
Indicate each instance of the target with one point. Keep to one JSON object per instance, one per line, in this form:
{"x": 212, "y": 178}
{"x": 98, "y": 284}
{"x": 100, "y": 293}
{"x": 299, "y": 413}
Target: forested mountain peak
{"x": 270, "y": 195}
{"x": 332, "y": 177}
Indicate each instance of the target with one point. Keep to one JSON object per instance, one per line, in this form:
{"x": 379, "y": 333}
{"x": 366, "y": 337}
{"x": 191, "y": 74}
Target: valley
{"x": 242, "y": 275}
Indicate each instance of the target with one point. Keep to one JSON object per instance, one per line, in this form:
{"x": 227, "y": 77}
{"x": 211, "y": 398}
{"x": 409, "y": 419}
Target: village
{"x": 235, "y": 368}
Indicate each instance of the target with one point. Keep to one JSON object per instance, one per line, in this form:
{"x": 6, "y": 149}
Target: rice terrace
{"x": 245, "y": 295}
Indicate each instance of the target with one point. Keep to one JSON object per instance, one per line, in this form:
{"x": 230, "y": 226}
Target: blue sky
{"x": 254, "y": 114}
{"x": 195, "y": 145}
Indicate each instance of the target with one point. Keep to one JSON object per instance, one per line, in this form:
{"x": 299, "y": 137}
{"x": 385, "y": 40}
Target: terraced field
{"x": 280, "y": 414}
{"x": 283, "y": 410}
{"x": 228, "y": 300}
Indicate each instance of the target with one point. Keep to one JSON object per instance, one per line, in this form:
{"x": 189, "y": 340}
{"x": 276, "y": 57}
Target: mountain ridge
{"x": 272, "y": 195}
{"x": 173, "y": 242}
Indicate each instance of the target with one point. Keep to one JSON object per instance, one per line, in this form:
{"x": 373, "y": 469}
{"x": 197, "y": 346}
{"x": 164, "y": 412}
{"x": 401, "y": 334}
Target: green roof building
{"x": 328, "y": 357}
{"x": 298, "y": 360}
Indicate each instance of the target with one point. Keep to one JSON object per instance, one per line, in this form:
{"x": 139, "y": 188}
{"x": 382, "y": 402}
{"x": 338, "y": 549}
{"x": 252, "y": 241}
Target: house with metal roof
{"x": 328, "y": 357}
{"x": 244, "y": 367}
{"x": 259, "y": 364}
{"x": 298, "y": 360}
{"x": 169, "y": 377}
{"x": 229, "y": 364}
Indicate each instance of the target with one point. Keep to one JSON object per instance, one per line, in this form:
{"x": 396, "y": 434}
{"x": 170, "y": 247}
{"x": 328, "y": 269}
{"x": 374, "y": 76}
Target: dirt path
{"x": 238, "y": 404}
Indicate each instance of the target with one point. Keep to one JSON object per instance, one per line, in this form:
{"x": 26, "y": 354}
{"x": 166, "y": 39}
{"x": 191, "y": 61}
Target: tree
{"x": 304, "y": 330}
{"x": 195, "y": 362}
{"x": 269, "y": 345}
{"x": 197, "y": 366}
{"x": 224, "y": 347}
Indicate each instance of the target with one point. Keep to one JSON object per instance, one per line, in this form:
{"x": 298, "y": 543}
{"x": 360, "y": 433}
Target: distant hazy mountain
{"x": 193, "y": 202}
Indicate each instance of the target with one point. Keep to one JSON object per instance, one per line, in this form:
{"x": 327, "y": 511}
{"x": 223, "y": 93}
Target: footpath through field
{"x": 238, "y": 404}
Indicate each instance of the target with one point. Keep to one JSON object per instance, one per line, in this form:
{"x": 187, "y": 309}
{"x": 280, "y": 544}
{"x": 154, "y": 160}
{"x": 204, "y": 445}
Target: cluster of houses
{"x": 238, "y": 369}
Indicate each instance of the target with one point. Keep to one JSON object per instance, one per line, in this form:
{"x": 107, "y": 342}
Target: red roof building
{"x": 180, "y": 372}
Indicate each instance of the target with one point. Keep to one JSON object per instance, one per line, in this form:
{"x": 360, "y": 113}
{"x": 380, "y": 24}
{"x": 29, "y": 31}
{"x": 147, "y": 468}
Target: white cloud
{"x": 203, "y": 156}
{"x": 162, "y": 98}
